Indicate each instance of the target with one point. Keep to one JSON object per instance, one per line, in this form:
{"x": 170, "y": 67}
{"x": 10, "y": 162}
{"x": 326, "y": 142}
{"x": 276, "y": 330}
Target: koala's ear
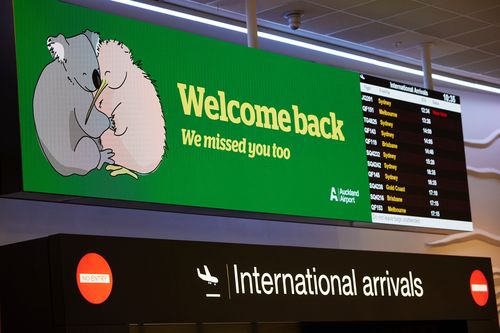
{"x": 94, "y": 39}
{"x": 57, "y": 46}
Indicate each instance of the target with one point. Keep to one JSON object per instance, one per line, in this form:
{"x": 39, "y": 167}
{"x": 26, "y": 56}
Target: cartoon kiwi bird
{"x": 131, "y": 100}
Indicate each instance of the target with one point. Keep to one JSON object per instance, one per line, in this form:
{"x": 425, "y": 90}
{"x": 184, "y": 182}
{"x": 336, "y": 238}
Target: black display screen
{"x": 415, "y": 153}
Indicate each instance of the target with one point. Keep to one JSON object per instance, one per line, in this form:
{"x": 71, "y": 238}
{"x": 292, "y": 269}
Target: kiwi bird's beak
{"x": 98, "y": 93}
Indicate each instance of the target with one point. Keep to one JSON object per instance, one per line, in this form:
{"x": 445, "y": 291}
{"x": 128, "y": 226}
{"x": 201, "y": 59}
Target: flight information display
{"x": 415, "y": 155}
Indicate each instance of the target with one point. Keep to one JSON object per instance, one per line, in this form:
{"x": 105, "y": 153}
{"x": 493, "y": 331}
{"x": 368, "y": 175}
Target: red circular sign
{"x": 479, "y": 287}
{"x": 94, "y": 278}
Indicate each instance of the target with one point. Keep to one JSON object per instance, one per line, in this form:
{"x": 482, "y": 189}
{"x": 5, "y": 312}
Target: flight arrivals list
{"x": 415, "y": 155}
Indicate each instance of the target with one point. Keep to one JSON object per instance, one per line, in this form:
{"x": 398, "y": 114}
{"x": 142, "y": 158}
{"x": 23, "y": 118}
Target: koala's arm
{"x": 97, "y": 123}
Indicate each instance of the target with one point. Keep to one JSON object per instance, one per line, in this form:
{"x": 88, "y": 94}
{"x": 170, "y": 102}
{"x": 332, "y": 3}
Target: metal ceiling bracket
{"x": 252, "y": 38}
{"x": 427, "y": 65}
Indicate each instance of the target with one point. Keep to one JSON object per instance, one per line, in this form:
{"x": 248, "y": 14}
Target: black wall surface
{"x": 10, "y": 152}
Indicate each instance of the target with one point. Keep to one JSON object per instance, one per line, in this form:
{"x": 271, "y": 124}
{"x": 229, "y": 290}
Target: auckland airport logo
{"x": 343, "y": 195}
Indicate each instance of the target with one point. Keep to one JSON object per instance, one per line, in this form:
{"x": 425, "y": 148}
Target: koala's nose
{"x": 96, "y": 78}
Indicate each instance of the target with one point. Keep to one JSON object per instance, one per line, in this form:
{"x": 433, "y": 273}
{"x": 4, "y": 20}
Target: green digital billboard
{"x": 121, "y": 109}
{"x": 115, "y": 108}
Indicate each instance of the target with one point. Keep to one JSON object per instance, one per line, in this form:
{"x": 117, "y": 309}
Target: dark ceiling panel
{"x": 466, "y": 7}
{"x": 380, "y": 9}
{"x": 492, "y": 47}
{"x": 367, "y": 32}
{"x": 439, "y": 48}
{"x": 495, "y": 74}
{"x": 446, "y": 29}
{"x": 430, "y": 2}
{"x": 419, "y": 18}
{"x": 489, "y": 65}
{"x": 333, "y": 22}
{"x": 400, "y": 41}
{"x": 462, "y": 58}
{"x": 477, "y": 37}
{"x": 412, "y": 52}
{"x": 491, "y": 15}
{"x": 310, "y": 9}
{"x": 238, "y": 6}
{"x": 340, "y": 4}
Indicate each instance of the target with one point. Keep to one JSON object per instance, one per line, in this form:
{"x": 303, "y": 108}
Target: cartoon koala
{"x": 67, "y": 123}
{"x": 131, "y": 100}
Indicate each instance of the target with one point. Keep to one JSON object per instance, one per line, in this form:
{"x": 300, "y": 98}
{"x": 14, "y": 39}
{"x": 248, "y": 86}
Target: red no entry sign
{"x": 479, "y": 287}
{"x": 94, "y": 278}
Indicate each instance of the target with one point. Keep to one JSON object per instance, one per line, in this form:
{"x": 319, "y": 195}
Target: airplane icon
{"x": 207, "y": 276}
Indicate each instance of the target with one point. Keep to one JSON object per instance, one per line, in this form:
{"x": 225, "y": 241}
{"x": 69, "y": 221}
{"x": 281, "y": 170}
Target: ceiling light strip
{"x": 305, "y": 45}
{"x": 466, "y": 83}
{"x": 337, "y": 53}
{"x": 181, "y": 15}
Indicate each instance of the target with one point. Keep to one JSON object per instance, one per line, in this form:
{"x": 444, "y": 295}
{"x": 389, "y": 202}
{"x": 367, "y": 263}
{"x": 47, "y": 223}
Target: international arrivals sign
{"x": 314, "y": 283}
{"x": 109, "y": 281}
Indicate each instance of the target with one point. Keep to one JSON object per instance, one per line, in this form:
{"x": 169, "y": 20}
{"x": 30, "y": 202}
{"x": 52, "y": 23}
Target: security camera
{"x": 294, "y": 18}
